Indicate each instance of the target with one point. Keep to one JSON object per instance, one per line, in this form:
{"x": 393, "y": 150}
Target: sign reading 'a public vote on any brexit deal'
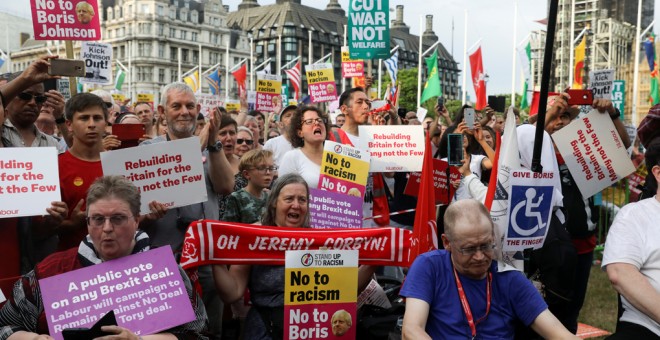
{"x": 368, "y": 29}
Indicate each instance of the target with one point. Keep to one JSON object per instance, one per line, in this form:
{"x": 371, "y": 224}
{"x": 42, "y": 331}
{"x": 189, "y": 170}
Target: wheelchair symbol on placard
{"x": 530, "y": 210}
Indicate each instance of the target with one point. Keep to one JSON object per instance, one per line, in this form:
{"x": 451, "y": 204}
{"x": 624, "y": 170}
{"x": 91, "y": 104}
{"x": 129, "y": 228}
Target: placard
{"x": 29, "y": 181}
{"x": 368, "y": 29}
{"x": 207, "y": 102}
{"x": 321, "y": 85}
{"x": 145, "y": 290}
{"x": 320, "y": 286}
{"x": 146, "y": 98}
{"x": 118, "y": 97}
{"x": 63, "y": 88}
{"x": 232, "y": 105}
{"x": 169, "y": 172}
{"x": 439, "y": 181}
{"x": 619, "y": 97}
{"x": 334, "y": 210}
{"x": 66, "y": 19}
{"x": 601, "y": 83}
{"x": 350, "y": 68}
{"x": 594, "y": 152}
{"x": 98, "y": 58}
{"x": 269, "y": 92}
{"x": 530, "y": 206}
{"x": 398, "y": 148}
{"x": 344, "y": 169}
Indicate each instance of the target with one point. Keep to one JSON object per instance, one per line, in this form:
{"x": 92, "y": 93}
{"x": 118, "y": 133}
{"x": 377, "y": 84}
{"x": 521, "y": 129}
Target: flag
{"x": 578, "y": 63}
{"x": 392, "y": 65}
{"x": 240, "y": 75}
{"x": 478, "y": 79}
{"x": 425, "y": 230}
{"x": 381, "y": 206}
{"x": 214, "y": 82}
{"x": 192, "y": 80}
{"x": 432, "y": 86}
{"x": 2, "y": 60}
{"x": 294, "y": 76}
{"x": 498, "y": 192}
{"x": 526, "y": 65}
{"x": 120, "y": 76}
{"x": 649, "y": 49}
{"x": 265, "y": 70}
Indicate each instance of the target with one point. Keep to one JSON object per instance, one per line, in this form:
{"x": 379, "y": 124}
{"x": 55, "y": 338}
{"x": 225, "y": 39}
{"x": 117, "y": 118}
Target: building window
{"x": 184, "y": 35}
{"x": 144, "y": 49}
{"x": 193, "y": 36}
{"x": 195, "y": 56}
{"x": 174, "y": 76}
{"x": 193, "y": 16}
{"x": 172, "y": 13}
{"x": 161, "y": 50}
{"x": 161, "y": 75}
{"x": 172, "y": 32}
{"x": 184, "y": 55}
{"x": 145, "y": 9}
{"x": 122, "y": 51}
{"x": 144, "y": 74}
{"x": 173, "y": 53}
{"x": 160, "y": 10}
{"x": 161, "y": 30}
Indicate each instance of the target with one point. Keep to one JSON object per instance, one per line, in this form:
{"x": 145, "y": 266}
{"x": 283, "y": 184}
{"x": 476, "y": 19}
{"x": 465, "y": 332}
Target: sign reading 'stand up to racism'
{"x": 66, "y": 19}
{"x": 368, "y": 29}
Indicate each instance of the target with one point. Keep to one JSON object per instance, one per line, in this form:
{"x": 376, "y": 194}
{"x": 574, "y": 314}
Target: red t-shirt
{"x": 76, "y": 175}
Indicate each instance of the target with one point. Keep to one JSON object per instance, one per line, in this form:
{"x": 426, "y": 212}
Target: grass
{"x": 600, "y": 305}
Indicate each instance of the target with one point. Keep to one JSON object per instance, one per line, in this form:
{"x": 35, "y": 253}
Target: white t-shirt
{"x": 633, "y": 239}
{"x": 296, "y": 162}
{"x": 462, "y": 191}
{"x": 279, "y": 146}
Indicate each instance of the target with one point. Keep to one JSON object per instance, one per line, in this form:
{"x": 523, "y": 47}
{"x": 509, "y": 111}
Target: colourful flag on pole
{"x": 526, "y": 65}
{"x": 578, "y": 63}
{"x": 120, "y": 76}
{"x": 649, "y": 49}
{"x": 425, "y": 230}
{"x": 478, "y": 79}
{"x": 214, "y": 82}
{"x": 241, "y": 75}
{"x": 294, "y": 76}
{"x": 192, "y": 81}
{"x": 432, "y": 86}
{"x": 392, "y": 66}
{"x": 2, "y": 59}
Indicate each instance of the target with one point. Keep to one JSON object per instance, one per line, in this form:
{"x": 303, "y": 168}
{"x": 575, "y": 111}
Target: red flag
{"x": 536, "y": 97}
{"x": 240, "y": 75}
{"x": 425, "y": 230}
{"x": 294, "y": 76}
{"x": 381, "y": 206}
{"x": 478, "y": 79}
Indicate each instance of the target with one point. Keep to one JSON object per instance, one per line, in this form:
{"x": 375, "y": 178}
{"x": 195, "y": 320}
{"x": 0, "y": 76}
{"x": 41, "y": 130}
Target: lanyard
{"x": 466, "y": 304}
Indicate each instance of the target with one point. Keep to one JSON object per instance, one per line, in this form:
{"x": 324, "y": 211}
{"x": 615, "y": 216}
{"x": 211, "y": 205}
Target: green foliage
{"x": 408, "y": 88}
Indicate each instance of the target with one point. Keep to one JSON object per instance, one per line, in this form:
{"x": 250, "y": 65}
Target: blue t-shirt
{"x": 431, "y": 279}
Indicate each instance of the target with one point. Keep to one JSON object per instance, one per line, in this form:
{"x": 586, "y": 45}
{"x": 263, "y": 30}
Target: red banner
{"x": 478, "y": 79}
{"x": 216, "y": 242}
{"x": 439, "y": 181}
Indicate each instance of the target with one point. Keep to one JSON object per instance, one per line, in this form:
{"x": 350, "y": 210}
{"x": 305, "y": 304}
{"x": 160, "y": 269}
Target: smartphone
{"x": 441, "y": 103}
{"x": 402, "y": 112}
{"x": 497, "y": 103}
{"x": 50, "y": 84}
{"x": 128, "y": 134}
{"x": 455, "y": 149}
{"x": 468, "y": 115}
{"x": 580, "y": 97}
{"x": 67, "y": 67}
{"x": 90, "y": 333}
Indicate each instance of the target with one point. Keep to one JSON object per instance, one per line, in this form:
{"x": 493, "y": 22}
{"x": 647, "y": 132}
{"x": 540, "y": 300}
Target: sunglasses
{"x": 38, "y": 98}
{"x": 246, "y": 141}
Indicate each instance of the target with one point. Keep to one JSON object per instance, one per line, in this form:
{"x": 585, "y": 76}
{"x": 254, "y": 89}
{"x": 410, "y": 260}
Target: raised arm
{"x": 220, "y": 172}
{"x": 231, "y": 283}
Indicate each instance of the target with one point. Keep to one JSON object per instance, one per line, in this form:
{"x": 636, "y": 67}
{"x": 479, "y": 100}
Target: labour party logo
{"x": 530, "y": 211}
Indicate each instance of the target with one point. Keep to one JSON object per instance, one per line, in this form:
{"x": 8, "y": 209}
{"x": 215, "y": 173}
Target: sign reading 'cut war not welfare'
{"x": 368, "y": 29}
{"x": 171, "y": 173}
{"x": 145, "y": 290}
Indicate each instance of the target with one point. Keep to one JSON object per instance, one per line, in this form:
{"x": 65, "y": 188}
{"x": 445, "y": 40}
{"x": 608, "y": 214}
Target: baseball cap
{"x": 288, "y": 108}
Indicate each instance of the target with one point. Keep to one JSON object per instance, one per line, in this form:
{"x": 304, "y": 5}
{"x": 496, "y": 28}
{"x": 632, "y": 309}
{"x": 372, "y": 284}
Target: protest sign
{"x": 146, "y": 98}
{"x": 269, "y": 88}
{"x": 319, "y": 286}
{"x": 321, "y": 85}
{"x": 29, "y": 181}
{"x": 63, "y": 88}
{"x": 619, "y": 96}
{"x": 359, "y": 82}
{"x": 97, "y": 57}
{"x": 251, "y": 99}
{"x": 344, "y": 169}
{"x": 439, "y": 181}
{"x": 350, "y": 68}
{"x": 207, "y": 102}
{"x": 145, "y": 290}
{"x": 601, "y": 83}
{"x": 232, "y": 105}
{"x": 368, "y": 29}
{"x": 398, "y": 148}
{"x": 65, "y": 20}
{"x": 118, "y": 97}
{"x": 170, "y": 173}
{"x": 530, "y": 206}
{"x": 594, "y": 152}
{"x": 333, "y": 210}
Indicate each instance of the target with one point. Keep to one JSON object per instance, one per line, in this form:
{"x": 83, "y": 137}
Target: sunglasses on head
{"x": 38, "y": 98}
{"x": 247, "y": 141}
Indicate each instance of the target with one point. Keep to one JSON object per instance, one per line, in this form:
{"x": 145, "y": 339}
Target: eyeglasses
{"x": 311, "y": 121}
{"x": 246, "y": 141}
{"x": 38, "y": 98}
{"x": 485, "y": 248}
{"x": 266, "y": 168}
{"x": 108, "y": 105}
{"x": 97, "y": 221}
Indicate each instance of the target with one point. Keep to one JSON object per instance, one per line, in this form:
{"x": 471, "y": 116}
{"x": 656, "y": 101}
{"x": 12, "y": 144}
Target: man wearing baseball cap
{"x": 281, "y": 144}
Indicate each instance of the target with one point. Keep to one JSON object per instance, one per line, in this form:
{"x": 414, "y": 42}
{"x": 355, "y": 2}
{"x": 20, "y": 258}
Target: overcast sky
{"x": 489, "y": 20}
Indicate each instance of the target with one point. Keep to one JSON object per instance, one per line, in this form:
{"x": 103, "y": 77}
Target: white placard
{"x": 29, "y": 181}
{"x": 601, "y": 83}
{"x": 208, "y": 102}
{"x": 421, "y": 113}
{"x": 170, "y": 173}
{"x": 98, "y": 62}
{"x": 398, "y": 148}
{"x": 594, "y": 152}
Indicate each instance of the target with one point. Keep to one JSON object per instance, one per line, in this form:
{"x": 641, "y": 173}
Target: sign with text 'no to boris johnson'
{"x": 368, "y": 29}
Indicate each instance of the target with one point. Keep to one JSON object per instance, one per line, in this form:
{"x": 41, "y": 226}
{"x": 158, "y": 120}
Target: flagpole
{"x": 571, "y": 67}
{"x": 419, "y": 63}
{"x": 513, "y": 52}
{"x": 343, "y": 80}
{"x": 199, "y": 65}
{"x": 279, "y": 53}
{"x": 179, "y": 58}
{"x": 310, "y": 57}
{"x": 130, "y": 71}
{"x": 638, "y": 37}
{"x": 289, "y": 63}
{"x": 227, "y": 73}
{"x": 251, "y": 63}
{"x": 464, "y": 57}
{"x": 380, "y": 69}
